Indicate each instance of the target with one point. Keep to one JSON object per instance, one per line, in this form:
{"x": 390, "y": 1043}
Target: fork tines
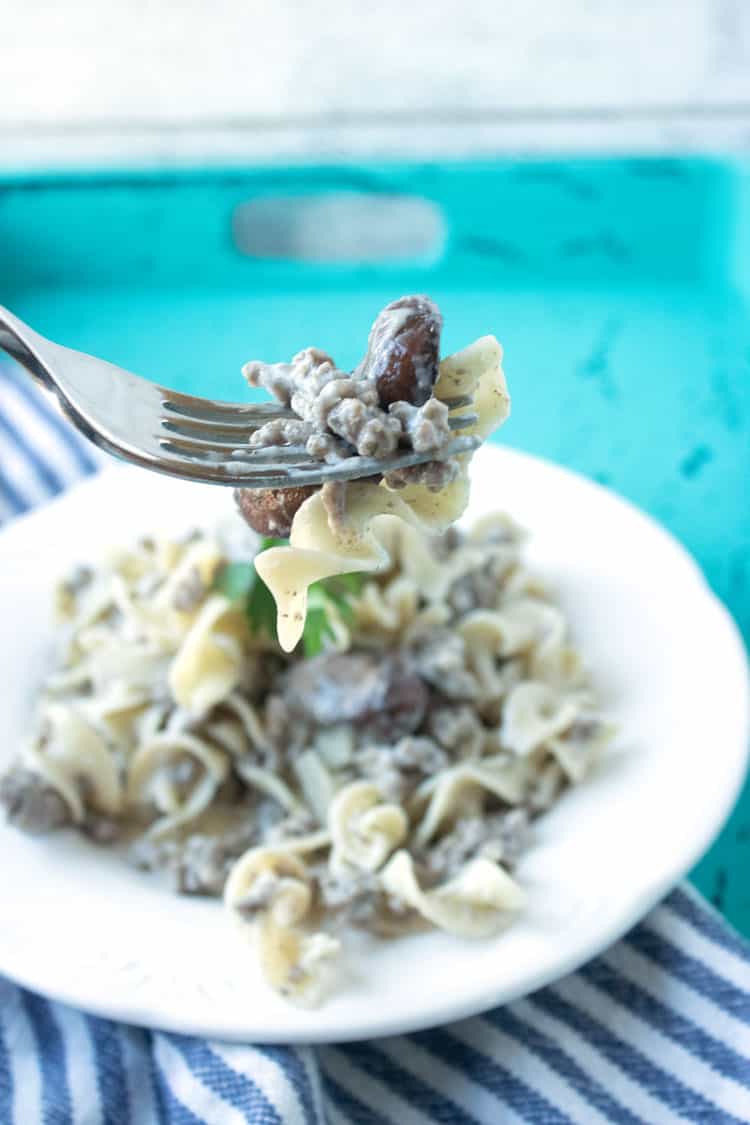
{"x": 310, "y": 472}
{"x": 247, "y": 416}
{"x": 215, "y": 435}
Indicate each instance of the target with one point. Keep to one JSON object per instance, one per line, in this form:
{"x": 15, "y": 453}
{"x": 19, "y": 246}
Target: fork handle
{"x": 21, "y": 343}
{"x": 32, "y": 350}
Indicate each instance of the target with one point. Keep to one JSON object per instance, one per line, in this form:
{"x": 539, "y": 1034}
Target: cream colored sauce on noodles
{"x": 389, "y": 783}
{"x": 316, "y": 550}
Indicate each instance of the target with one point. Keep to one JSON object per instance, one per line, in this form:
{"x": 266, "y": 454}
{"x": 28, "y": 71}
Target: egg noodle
{"x": 388, "y": 783}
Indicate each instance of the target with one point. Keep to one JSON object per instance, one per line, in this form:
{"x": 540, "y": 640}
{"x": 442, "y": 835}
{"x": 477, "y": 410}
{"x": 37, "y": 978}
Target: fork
{"x": 197, "y": 439}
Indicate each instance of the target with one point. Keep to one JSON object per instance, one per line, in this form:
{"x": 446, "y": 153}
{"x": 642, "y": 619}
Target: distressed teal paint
{"x": 618, "y": 287}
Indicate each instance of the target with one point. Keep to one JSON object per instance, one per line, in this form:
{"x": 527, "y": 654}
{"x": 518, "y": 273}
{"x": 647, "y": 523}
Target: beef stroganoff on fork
{"x": 385, "y": 772}
{"x": 401, "y": 395}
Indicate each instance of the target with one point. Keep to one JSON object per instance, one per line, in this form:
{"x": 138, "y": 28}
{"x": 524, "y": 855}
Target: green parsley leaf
{"x": 340, "y": 591}
{"x": 260, "y": 609}
{"x": 328, "y": 599}
{"x": 317, "y": 628}
{"x": 235, "y": 580}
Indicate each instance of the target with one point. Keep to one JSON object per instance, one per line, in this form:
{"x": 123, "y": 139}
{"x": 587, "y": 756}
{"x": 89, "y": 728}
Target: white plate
{"x": 79, "y": 925}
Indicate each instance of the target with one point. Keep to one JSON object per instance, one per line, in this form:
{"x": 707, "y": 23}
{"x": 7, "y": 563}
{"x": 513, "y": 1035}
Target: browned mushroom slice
{"x": 270, "y": 511}
{"x": 403, "y": 351}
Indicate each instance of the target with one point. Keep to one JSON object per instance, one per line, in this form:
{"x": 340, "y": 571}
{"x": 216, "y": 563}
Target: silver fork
{"x": 198, "y": 439}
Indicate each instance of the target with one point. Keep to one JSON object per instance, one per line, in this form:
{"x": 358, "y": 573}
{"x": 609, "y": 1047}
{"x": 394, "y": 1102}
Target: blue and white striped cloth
{"x": 655, "y": 1031}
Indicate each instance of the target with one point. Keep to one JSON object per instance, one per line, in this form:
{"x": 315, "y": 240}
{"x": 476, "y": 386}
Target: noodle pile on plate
{"x": 388, "y": 782}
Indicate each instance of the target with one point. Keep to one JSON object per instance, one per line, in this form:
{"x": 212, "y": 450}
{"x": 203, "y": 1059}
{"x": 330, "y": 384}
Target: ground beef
{"x": 202, "y": 866}
{"x": 151, "y": 855}
{"x": 440, "y": 659}
{"x": 286, "y": 732}
{"x": 435, "y": 475}
{"x": 326, "y": 447}
{"x": 357, "y": 900}
{"x": 370, "y": 431}
{"x": 268, "y": 814}
{"x": 546, "y": 787}
{"x": 419, "y": 755}
{"x": 100, "y": 828}
{"x": 30, "y": 803}
{"x": 385, "y": 405}
{"x": 457, "y": 729}
{"x": 276, "y": 719}
{"x": 380, "y": 691}
{"x": 481, "y": 588}
{"x": 199, "y": 864}
{"x": 501, "y": 837}
{"x": 303, "y": 378}
{"x": 289, "y": 827}
{"x": 446, "y": 544}
{"x": 327, "y": 401}
{"x": 281, "y": 431}
{"x": 396, "y": 770}
{"x": 260, "y": 671}
{"x": 427, "y": 426}
{"x": 376, "y": 763}
{"x": 584, "y": 728}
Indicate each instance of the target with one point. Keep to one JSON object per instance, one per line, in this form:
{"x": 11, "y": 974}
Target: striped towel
{"x": 655, "y": 1031}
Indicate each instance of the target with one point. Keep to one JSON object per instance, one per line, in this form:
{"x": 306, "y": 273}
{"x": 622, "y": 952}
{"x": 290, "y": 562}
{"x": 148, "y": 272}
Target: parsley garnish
{"x": 326, "y": 600}
{"x": 235, "y": 580}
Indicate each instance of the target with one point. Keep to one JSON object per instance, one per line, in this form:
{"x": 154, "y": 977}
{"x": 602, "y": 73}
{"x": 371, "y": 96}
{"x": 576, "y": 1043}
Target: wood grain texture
{"x": 151, "y": 61}
{"x": 240, "y": 78}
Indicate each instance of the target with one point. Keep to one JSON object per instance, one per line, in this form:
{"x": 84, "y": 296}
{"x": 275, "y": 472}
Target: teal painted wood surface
{"x": 619, "y": 289}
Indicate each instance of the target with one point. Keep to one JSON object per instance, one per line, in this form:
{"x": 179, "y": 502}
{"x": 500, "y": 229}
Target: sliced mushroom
{"x": 270, "y": 511}
{"x": 403, "y": 351}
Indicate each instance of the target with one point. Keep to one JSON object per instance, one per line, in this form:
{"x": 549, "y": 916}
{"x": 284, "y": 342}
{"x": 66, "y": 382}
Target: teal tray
{"x": 619, "y": 289}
